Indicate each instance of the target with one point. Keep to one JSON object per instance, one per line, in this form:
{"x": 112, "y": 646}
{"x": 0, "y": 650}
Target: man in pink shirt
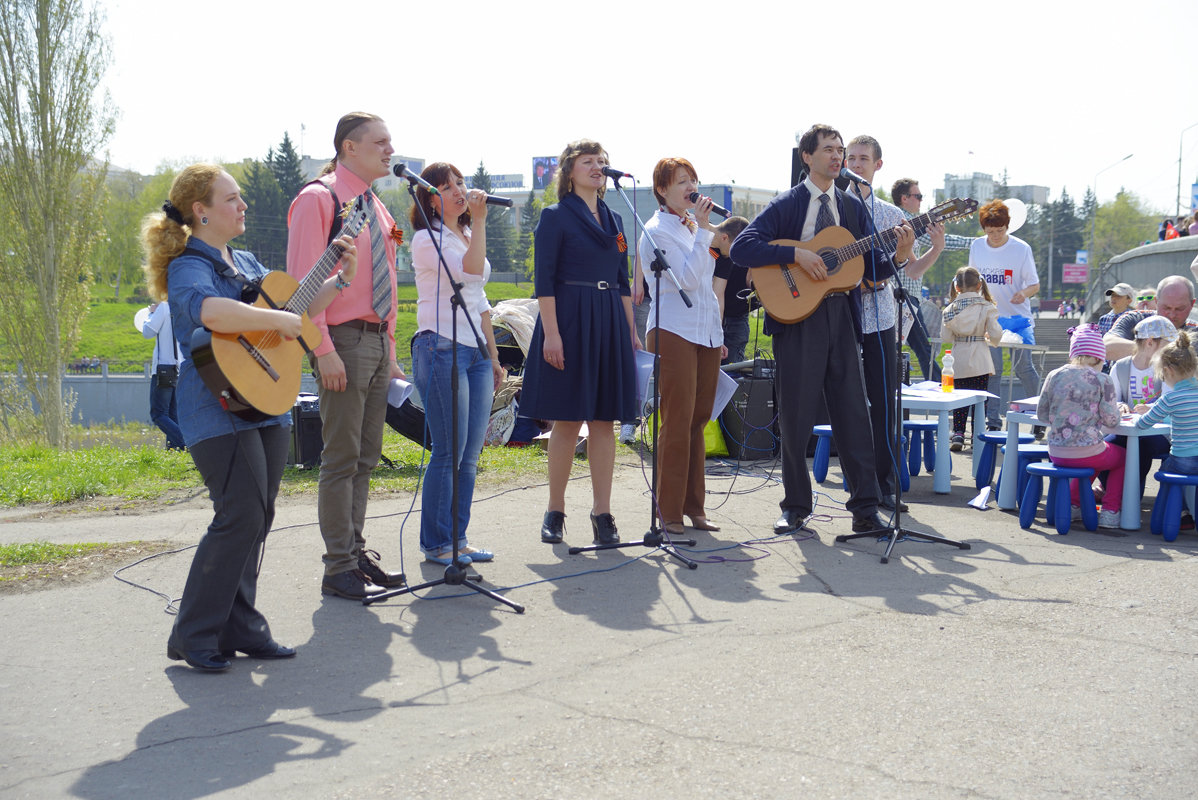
{"x": 355, "y": 360}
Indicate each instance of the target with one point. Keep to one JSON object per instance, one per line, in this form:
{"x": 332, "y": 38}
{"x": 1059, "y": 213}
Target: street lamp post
{"x": 1094, "y": 221}
{"x": 1180, "y": 139}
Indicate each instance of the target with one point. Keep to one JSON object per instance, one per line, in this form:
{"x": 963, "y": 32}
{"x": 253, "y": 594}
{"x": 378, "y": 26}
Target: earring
{"x": 203, "y": 220}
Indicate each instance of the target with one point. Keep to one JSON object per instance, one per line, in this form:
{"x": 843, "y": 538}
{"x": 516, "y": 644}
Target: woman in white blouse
{"x": 450, "y": 214}
{"x": 689, "y": 341}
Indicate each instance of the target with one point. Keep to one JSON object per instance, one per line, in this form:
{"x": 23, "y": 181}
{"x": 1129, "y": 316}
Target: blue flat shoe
{"x": 477, "y": 556}
{"x": 463, "y": 559}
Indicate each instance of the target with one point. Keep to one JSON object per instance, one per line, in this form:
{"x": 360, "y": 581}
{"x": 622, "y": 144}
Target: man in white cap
{"x": 1120, "y": 297}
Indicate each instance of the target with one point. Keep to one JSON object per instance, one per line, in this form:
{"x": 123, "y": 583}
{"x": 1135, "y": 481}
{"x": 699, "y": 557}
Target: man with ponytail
{"x": 355, "y": 360}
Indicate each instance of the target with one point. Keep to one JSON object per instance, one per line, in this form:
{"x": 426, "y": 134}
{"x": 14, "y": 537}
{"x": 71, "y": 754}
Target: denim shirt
{"x": 191, "y": 280}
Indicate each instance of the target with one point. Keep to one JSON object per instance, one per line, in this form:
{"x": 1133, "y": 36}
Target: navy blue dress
{"x": 599, "y": 379}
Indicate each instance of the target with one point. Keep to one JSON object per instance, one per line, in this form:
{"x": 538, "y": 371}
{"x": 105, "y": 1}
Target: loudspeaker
{"x": 306, "y": 429}
{"x": 749, "y": 423}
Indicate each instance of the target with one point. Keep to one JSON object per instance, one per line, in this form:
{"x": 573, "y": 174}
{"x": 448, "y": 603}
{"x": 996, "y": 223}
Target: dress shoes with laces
{"x": 368, "y": 563}
{"x": 553, "y": 527}
{"x": 889, "y": 504}
{"x": 202, "y": 660}
{"x": 868, "y": 522}
{"x": 790, "y": 521}
{"x": 270, "y": 650}
{"x": 352, "y": 585}
{"x": 604, "y": 527}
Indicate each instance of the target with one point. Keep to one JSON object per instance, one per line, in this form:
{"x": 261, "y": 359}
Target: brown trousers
{"x": 688, "y": 380}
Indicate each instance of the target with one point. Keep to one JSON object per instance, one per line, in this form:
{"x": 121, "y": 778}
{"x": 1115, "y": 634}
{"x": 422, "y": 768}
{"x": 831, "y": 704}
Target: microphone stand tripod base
{"x": 653, "y": 539}
{"x": 455, "y": 575}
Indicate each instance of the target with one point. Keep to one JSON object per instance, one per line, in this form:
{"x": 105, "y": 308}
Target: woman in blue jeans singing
{"x": 464, "y": 248}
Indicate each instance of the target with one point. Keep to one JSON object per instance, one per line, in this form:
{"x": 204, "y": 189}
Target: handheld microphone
{"x": 612, "y": 172}
{"x": 716, "y": 207}
{"x": 401, "y": 170}
{"x": 494, "y": 200}
{"x": 849, "y": 175}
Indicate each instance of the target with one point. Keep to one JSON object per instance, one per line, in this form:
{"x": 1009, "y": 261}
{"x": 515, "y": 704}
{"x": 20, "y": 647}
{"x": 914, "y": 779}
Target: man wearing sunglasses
{"x": 1174, "y": 300}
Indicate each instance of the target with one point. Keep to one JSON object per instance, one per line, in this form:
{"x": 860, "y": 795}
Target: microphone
{"x": 494, "y": 200}
{"x": 716, "y": 207}
{"x": 612, "y": 172}
{"x": 401, "y": 170}
{"x": 849, "y": 175}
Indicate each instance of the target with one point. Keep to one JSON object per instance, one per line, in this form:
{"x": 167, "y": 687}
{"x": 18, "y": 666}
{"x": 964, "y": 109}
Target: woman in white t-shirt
{"x": 1009, "y": 270}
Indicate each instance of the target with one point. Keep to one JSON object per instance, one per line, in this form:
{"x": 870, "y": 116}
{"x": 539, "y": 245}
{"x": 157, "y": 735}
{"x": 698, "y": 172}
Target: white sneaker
{"x": 1108, "y": 519}
{"x": 627, "y": 433}
{"x": 1076, "y": 513}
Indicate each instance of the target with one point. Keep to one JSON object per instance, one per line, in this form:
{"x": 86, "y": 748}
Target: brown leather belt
{"x": 362, "y": 325}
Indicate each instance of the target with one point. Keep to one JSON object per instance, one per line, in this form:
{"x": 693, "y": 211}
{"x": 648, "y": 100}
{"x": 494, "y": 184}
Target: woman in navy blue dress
{"x": 581, "y": 363}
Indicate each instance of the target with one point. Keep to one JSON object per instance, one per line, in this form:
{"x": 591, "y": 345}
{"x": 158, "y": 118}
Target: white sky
{"x": 1051, "y": 91}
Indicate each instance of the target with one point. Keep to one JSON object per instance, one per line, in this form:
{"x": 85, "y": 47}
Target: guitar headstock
{"x": 953, "y": 209}
{"x": 354, "y": 216}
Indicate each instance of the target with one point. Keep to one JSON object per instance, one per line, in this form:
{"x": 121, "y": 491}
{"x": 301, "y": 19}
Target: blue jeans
{"x": 164, "y": 413}
{"x": 736, "y": 336}
{"x": 432, "y": 367}
{"x": 1183, "y": 465}
{"x": 1023, "y": 368}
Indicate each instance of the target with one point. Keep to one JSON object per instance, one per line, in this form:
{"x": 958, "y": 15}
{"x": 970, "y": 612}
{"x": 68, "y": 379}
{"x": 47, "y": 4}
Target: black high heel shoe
{"x": 553, "y": 528}
{"x": 604, "y": 526}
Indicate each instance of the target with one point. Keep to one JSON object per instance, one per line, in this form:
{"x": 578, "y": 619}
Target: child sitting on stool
{"x": 1077, "y": 403}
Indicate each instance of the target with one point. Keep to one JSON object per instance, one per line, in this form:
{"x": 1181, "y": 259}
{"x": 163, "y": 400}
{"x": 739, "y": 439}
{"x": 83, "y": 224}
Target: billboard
{"x": 1075, "y": 273}
{"x": 543, "y": 170}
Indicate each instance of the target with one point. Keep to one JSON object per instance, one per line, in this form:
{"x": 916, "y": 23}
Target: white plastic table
{"x": 944, "y": 403}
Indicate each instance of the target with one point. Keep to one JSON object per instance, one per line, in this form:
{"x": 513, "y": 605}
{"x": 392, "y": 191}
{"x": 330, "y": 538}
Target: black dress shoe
{"x": 203, "y": 660}
{"x": 604, "y": 526}
{"x": 368, "y": 562}
{"x": 888, "y": 504}
{"x": 270, "y": 650}
{"x": 865, "y": 524}
{"x": 553, "y": 527}
{"x": 790, "y": 521}
{"x": 352, "y": 585}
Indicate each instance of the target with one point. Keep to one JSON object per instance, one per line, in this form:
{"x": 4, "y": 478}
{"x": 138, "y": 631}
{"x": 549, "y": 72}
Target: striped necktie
{"x": 824, "y": 218}
{"x": 380, "y": 298}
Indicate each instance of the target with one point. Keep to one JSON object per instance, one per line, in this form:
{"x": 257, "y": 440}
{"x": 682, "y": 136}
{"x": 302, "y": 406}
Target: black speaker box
{"x": 749, "y": 423}
{"x": 306, "y": 441}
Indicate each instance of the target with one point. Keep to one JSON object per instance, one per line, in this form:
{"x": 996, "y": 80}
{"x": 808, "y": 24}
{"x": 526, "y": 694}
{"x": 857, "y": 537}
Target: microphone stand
{"x": 895, "y": 529}
{"x": 456, "y": 574}
{"x": 656, "y": 536}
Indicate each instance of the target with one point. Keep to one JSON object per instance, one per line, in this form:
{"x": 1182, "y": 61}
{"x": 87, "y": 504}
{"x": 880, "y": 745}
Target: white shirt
{"x": 877, "y": 308}
{"x": 433, "y": 292}
{"x": 158, "y": 327}
{"x": 813, "y": 208}
{"x": 1007, "y": 270}
{"x": 691, "y": 262}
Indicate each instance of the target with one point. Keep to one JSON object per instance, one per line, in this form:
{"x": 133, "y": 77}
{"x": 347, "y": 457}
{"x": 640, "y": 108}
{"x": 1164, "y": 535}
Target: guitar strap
{"x": 335, "y": 228}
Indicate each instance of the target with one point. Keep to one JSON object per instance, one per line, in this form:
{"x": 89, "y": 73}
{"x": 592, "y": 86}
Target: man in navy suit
{"x": 819, "y": 358}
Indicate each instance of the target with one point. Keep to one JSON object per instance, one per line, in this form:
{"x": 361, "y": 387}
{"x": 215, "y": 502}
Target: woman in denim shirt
{"x": 241, "y": 462}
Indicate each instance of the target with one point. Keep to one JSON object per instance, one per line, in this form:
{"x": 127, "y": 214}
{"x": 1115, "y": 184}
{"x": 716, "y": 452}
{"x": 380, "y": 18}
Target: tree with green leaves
{"x": 501, "y": 235}
{"x": 53, "y": 55}
{"x": 285, "y": 164}
{"x": 266, "y": 214}
{"x": 530, "y": 214}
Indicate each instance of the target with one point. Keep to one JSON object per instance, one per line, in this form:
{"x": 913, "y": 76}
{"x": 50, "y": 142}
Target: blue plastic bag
{"x": 1021, "y": 326}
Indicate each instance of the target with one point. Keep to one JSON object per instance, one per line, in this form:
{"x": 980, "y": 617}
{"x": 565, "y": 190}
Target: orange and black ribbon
{"x": 621, "y": 242}
{"x": 397, "y": 235}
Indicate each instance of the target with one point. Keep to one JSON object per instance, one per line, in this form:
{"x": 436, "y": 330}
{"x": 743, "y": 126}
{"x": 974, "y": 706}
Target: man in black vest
{"x": 819, "y": 358}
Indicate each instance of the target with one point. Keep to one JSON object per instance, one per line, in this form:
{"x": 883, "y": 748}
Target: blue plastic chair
{"x": 988, "y": 458}
{"x": 922, "y": 447}
{"x": 1057, "y": 510}
{"x": 1166, "y": 511}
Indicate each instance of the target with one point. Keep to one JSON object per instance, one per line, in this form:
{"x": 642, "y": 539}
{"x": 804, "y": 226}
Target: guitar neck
{"x": 310, "y": 285}
{"x": 883, "y": 240}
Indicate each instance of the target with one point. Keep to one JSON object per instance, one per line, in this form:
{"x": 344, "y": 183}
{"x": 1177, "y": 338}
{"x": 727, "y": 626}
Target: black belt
{"x": 601, "y": 285}
{"x": 362, "y": 325}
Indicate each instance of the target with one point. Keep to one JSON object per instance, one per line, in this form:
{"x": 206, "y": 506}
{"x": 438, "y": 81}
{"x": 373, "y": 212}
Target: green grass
{"x": 17, "y": 555}
{"x": 32, "y": 473}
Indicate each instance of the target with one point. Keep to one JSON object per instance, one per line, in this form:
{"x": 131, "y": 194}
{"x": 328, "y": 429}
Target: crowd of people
{"x": 580, "y": 368}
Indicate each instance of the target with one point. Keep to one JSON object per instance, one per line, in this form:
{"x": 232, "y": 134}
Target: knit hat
{"x": 1123, "y": 289}
{"x": 1085, "y": 340}
{"x": 1156, "y": 327}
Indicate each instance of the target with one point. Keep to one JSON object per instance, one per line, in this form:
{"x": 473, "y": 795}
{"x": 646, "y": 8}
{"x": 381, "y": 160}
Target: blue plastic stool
{"x": 1166, "y": 511}
{"x": 823, "y": 452}
{"x": 1029, "y": 454}
{"x": 923, "y": 448}
{"x": 1057, "y": 509}
{"x": 988, "y": 458}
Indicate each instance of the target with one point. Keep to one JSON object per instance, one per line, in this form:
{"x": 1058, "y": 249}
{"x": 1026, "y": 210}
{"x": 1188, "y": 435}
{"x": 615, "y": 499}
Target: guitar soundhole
{"x": 828, "y": 256}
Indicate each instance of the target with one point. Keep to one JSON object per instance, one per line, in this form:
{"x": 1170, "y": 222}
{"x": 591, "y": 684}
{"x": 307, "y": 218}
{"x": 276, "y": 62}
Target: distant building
{"x": 981, "y": 187}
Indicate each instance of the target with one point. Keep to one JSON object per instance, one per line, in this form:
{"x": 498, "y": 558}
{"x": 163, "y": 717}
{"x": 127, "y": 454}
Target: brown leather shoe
{"x": 368, "y": 563}
{"x": 352, "y": 585}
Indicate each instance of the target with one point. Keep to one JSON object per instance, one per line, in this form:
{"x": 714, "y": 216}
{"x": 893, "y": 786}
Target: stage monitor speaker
{"x": 749, "y": 423}
{"x": 306, "y": 430}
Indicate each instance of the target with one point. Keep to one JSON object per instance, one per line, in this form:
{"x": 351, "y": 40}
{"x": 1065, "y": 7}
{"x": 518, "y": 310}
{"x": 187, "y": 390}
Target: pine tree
{"x": 501, "y": 236}
{"x": 266, "y": 216}
{"x": 286, "y": 167}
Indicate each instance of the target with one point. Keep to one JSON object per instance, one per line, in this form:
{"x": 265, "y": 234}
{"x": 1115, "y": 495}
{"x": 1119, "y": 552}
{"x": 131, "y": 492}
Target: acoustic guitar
{"x": 257, "y": 375}
{"x": 790, "y": 295}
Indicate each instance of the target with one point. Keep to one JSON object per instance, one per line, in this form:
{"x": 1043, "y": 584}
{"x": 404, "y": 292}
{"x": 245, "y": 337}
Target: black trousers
{"x": 881, "y": 382}
{"x": 242, "y": 472}
{"x": 818, "y": 359}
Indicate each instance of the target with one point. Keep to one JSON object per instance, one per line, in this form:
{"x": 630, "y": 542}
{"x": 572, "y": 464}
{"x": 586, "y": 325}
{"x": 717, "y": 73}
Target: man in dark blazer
{"x": 819, "y": 358}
